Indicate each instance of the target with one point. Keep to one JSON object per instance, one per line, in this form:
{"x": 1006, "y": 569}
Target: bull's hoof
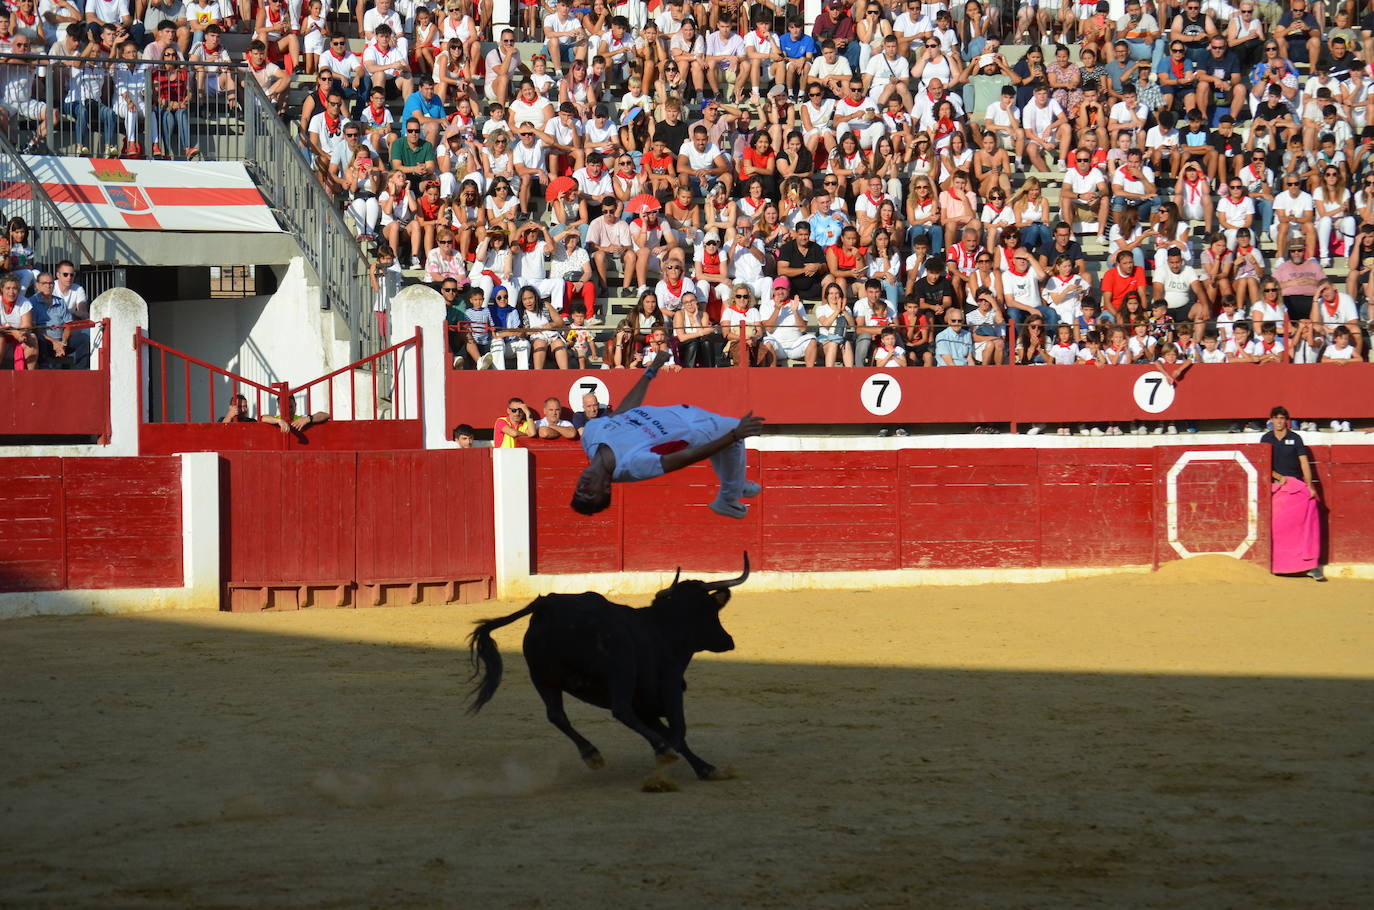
{"x": 594, "y": 761}
{"x": 664, "y": 759}
{"x": 713, "y": 773}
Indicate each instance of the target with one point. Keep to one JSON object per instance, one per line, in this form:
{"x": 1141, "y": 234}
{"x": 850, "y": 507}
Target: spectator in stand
{"x": 516, "y": 423}
{"x": 272, "y": 79}
{"x": 1124, "y": 281}
{"x": 803, "y": 263}
{"x": 17, "y": 99}
{"x": 553, "y": 425}
{"x": 954, "y": 344}
{"x": 237, "y": 412}
{"x": 59, "y": 345}
{"x": 1298, "y": 279}
{"x": 18, "y": 343}
{"x": 592, "y": 408}
{"x": 464, "y": 435}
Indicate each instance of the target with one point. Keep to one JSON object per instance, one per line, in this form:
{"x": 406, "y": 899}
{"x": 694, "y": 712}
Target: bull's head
{"x": 698, "y": 605}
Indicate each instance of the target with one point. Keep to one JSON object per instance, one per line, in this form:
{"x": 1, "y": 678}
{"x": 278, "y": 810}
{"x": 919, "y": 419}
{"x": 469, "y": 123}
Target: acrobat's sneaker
{"x": 729, "y": 508}
{"x": 751, "y": 490}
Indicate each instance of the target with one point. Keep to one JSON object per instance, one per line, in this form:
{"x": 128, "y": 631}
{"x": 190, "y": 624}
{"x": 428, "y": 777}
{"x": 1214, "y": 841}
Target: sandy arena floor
{"x": 1196, "y": 739}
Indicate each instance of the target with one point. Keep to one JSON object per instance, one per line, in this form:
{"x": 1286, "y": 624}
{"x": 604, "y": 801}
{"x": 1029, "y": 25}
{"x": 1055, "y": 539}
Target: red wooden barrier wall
{"x": 943, "y": 395}
{"x": 54, "y": 402}
{"x": 73, "y": 523}
{"x": 335, "y": 436}
{"x": 330, "y": 529}
{"x": 945, "y": 508}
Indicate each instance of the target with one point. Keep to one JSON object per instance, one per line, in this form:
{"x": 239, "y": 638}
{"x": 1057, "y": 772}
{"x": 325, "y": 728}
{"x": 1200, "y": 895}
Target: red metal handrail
{"x": 275, "y": 391}
{"x": 375, "y": 360}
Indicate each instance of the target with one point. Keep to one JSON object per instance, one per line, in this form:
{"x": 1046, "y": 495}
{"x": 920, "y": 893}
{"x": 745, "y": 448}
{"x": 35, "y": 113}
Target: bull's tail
{"x": 486, "y": 659}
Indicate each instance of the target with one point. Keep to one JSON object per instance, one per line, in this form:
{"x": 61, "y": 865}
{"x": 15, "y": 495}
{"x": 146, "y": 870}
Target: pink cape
{"x": 1295, "y": 527}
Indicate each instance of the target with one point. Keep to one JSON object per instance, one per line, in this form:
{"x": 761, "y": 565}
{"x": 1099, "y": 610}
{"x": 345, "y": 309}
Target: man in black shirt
{"x": 1229, "y": 147}
{"x": 1338, "y": 58}
{"x": 803, "y": 263}
{"x": 1295, "y": 525}
{"x": 934, "y": 292}
{"x": 1220, "y": 72}
{"x": 1061, "y": 243}
{"x": 672, "y": 129}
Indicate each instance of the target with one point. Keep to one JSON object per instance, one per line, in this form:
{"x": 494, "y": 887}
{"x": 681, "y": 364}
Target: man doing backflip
{"x": 639, "y": 442}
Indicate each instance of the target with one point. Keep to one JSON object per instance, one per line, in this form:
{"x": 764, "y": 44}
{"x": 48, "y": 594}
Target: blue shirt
{"x": 799, "y": 48}
{"x": 958, "y": 345}
{"x": 1166, "y": 66}
{"x": 416, "y": 104}
{"x": 825, "y": 229}
{"x": 50, "y": 316}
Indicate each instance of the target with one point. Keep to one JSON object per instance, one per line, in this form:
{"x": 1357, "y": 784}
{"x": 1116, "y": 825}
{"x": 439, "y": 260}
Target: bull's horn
{"x": 676, "y": 576}
{"x": 734, "y": 581}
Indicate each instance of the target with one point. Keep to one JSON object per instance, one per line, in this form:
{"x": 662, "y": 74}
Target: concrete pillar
{"x": 510, "y": 478}
{"x": 422, "y": 307}
{"x": 128, "y": 315}
{"x": 200, "y": 527}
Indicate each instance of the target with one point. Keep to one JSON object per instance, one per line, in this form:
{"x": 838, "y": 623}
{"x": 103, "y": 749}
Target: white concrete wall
{"x": 281, "y": 338}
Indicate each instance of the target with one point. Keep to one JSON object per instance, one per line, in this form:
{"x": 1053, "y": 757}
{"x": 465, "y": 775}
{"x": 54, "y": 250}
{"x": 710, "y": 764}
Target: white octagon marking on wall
{"x": 1251, "y": 501}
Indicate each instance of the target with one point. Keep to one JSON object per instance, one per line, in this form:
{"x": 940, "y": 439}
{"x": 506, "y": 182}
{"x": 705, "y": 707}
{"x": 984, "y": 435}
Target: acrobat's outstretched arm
{"x": 635, "y": 397}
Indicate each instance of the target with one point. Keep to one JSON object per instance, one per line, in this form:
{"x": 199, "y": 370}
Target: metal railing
{"x": 175, "y": 387}
{"x": 104, "y": 107}
{"x": 279, "y": 167}
{"x": 214, "y": 112}
{"x": 51, "y": 238}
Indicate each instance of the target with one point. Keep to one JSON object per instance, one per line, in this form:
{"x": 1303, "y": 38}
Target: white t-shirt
{"x": 1037, "y": 119}
{"x": 1121, "y": 112}
{"x": 1128, "y": 184}
{"x": 640, "y": 437}
{"x": 1335, "y": 353}
{"x": 1177, "y": 285}
{"x": 1093, "y": 181}
{"x": 1345, "y": 311}
{"x": 1295, "y": 207}
{"x": 1021, "y": 288}
{"x": 1063, "y": 354}
{"x": 786, "y": 330}
{"x": 884, "y": 70}
{"x": 820, "y": 70}
{"x": 730, "y": 47}
{"x": 1236, "y": 212}
{"x": 1002, "y": 116}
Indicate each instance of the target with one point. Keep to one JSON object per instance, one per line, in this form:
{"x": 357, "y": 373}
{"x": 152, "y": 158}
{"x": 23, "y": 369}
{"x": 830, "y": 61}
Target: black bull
{"x": 628, "y": 660}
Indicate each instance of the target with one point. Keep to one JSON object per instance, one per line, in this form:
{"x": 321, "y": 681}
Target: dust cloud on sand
{"x": 1197, "y": 738}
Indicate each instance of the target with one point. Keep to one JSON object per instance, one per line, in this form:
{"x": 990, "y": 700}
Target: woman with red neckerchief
{"x": 16, "y": 328}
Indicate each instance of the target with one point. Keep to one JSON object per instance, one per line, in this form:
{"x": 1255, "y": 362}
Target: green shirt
{"x": 403, "y": 154}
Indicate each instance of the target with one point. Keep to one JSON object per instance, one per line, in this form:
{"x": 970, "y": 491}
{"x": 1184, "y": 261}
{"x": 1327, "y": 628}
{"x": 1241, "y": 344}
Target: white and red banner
{"x": 119, "y": 194}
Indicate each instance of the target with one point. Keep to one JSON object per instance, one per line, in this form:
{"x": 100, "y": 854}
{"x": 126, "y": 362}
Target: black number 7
{"x": 588, "y": 388}
{"x": 882, "y": 390}
{"x": 1156, "y": 382}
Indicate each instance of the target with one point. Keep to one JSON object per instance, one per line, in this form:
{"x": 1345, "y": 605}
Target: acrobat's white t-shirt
{"x": 640, "y": 437}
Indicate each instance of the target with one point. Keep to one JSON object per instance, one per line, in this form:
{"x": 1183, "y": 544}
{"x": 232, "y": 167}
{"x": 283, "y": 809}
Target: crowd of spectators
{"x": 897, "y": 183}
{"x": 44, "y": 315}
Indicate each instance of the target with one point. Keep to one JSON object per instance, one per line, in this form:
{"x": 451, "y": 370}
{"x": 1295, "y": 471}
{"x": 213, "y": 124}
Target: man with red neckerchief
{"x": 272, "y": 79}
{"x": 1085, "y": 187}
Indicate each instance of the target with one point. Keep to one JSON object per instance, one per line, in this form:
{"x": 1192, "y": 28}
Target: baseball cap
{"x": 782, "y": 283}
{"x": 776, "y": 90}
{"x": 711, "y": 237}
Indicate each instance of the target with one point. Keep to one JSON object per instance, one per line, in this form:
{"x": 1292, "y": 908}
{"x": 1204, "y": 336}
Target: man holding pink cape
{"x": 1294, "y": 523}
